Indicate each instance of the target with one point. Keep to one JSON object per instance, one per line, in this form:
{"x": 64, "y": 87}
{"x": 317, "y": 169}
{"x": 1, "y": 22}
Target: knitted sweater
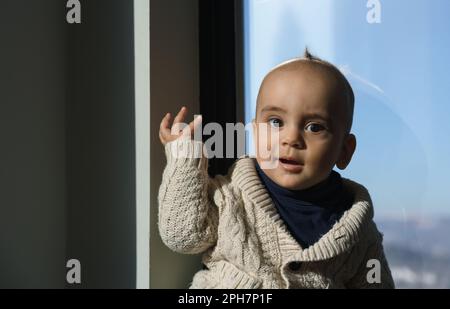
{"x": 232, "y": 220}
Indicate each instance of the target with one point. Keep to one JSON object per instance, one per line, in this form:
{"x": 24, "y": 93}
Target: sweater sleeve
{"x": 188, "y": 216}
{"x": 373, "y": 272}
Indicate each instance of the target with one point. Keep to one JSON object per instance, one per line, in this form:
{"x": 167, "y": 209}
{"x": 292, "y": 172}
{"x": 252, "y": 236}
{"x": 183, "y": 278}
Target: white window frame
{"x": 142, "y": 114}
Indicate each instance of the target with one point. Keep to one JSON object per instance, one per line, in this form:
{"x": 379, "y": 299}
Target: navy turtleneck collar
{"x": 310, "y": 213}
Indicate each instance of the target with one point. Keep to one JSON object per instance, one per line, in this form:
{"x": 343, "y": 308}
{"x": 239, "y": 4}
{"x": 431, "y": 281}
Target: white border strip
{"x": 142, "y": 114}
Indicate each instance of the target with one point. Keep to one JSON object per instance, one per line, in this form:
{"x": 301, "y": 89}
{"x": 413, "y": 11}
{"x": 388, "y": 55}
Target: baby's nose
{"x": 293, "y": 138}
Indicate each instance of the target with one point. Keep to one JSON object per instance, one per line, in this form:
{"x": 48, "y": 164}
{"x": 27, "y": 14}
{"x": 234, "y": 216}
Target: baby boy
{"x": 293, "y": 224}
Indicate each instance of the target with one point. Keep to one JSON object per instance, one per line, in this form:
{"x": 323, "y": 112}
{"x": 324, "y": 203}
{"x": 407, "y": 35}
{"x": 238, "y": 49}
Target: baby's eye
{"x": 315, "y": 127}
{"x": 275, "y": 122}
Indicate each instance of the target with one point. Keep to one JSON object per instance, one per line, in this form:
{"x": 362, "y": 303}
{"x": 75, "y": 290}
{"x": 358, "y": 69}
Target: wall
{"x": 32, "y": 134}
{"x": 67, "y": 132}
{"x": 100, "y": 133}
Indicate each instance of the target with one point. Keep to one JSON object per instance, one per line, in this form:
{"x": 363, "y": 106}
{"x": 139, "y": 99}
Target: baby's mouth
{"x": 291, "y": 165}
{"x": 289, "y": 161}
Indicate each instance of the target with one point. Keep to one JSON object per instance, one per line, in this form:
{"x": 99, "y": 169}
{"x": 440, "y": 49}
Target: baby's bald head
{"x": 314, "y": 70}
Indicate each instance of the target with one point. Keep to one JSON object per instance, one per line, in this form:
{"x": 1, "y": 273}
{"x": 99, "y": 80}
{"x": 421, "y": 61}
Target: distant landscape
{"x": 418, "y": 250}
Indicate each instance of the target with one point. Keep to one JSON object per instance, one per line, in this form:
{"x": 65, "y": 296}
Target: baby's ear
{"x": 347, "y": 151}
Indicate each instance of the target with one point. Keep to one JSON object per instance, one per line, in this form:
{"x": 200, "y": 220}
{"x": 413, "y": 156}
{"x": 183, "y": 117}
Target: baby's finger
{"x": 180, "y": 116}
{"x": 164, "y": 126}
{"x": 162, "y": 139}
{"x": 177, "y": 126}
{"x": 194, "y": 125}
{"x": 165, "y": 122}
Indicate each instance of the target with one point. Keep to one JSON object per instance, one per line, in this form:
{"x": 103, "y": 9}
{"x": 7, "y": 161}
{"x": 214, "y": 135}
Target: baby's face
{"x": 304, "y": 106}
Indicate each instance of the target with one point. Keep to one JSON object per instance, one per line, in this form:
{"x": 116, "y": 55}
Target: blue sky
{"x": 400, "y": 73}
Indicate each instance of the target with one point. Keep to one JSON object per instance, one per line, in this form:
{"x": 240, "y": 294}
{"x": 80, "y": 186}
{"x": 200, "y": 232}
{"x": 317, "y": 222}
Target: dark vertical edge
{"x": 220, "y": 72}
{"x": 239, "y": 48}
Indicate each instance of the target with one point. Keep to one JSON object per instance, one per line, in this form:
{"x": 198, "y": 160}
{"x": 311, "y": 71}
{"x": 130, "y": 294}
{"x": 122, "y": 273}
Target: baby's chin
{"x": 291, "y": 181}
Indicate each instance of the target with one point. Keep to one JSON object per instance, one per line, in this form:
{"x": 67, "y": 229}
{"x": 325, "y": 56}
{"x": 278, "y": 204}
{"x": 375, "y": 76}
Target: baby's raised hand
{"x": 178, "y": 129}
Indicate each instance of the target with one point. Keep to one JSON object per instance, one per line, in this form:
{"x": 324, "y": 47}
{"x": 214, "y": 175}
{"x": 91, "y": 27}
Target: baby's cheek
{"x": 321, "y": 160}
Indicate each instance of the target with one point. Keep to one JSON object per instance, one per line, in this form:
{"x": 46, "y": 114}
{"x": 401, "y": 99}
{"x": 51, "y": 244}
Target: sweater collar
{"x": 326, "y": 194}
{"x": 342, "y": 236}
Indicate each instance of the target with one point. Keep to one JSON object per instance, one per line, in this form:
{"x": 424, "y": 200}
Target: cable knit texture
{"x": 232, "y": 220}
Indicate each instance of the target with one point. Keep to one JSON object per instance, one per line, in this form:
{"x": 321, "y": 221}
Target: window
{"x": 398, "y": 69}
